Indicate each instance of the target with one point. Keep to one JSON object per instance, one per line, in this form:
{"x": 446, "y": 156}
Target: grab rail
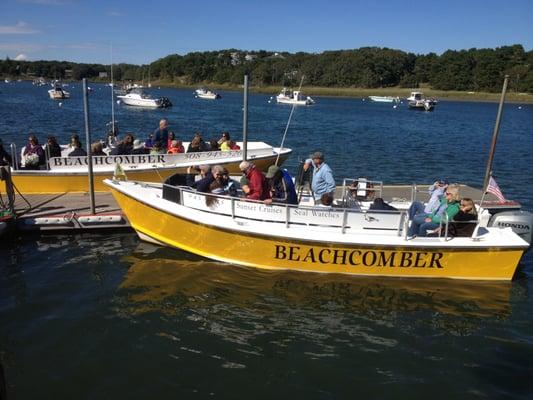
{"x": 333, "y": 217}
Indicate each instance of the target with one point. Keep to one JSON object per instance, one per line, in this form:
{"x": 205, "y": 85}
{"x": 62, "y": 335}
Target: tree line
{"x": 366, "y": 67}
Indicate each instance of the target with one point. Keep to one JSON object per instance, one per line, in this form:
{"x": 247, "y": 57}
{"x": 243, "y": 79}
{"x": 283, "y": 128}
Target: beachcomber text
{"x": 355, "y": 257}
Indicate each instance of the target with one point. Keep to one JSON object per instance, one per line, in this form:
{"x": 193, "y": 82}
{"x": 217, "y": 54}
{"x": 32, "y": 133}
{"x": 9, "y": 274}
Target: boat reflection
{"x": 156, "y": 281}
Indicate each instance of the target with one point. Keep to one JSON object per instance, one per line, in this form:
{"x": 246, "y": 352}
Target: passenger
{"x": 436, "y": 192}
{"x": 326, "y": 200}
{"x": 245, "y": 185}
{"x": 230, "y": 187}
{"x": 449, "y": 207}
{"x": 138, "y": 148}
{"x": 149, "y": 143}
{"x": 213, "y": 145}
{"x": 259, "y": 189}
{"x": 112, "y": 135}
{"x": 156, "y": 148}
{"x": 171, "y": 137}
{"x": 380, "y": 205}
{"x": 281, "y": 186}
{"x": 33, "y": 153}
{"x": 233, "y": 145}
{"x": 52, "y": 148}
{"x": 323, "y": 181}
{"x": 161, "y": 133}
{"x": 206, "y": 178}
{"x": 124, "y": 147}
{"x": 78, "y": 150}
{"x": 74, "y": 143}
{"x": 197, "y": 144}
{"x": 176, "y": 147}
{"x": 224, "y": 138}
{"x": 218, "y": 184}
{"x": 5, "y": 157}
{"x": 463, "y": 221}
{"x": 97, "y": 149}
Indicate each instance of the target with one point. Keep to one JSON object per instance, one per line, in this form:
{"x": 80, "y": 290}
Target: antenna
{"x": 112, "y": 94}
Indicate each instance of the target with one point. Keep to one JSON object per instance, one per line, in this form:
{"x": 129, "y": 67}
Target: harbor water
{"x": 106, "y": 316}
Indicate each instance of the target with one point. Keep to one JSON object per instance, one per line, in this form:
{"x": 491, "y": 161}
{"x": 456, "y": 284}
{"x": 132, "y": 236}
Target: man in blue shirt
{"x": 161, "y": 133}
{"x": 323, "y": 181}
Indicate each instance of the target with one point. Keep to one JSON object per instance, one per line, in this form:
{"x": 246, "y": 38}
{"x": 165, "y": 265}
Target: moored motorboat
{"x": 314, "y": 239}
{"x": 204, "y": 93}
{"x": 417, "y": 101}
{"x": 57, "y": 92}
{"x": 137, "y": 97}
{"x": 293, "y": 97}
{"x": 70, "y": 174}
{"x": 384, "y": 99}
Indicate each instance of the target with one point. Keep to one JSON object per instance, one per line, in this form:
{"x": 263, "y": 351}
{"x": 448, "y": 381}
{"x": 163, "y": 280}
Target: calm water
{"x": 107, "y": 316}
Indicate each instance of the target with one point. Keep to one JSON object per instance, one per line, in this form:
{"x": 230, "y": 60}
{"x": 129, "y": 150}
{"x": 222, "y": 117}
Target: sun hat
{"x": 272, "y": 171}
{"x": 137, "y": 144}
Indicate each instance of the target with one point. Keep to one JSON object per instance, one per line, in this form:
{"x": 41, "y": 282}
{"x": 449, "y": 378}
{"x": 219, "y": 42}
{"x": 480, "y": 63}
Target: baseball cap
{"x": 272, "y": 171}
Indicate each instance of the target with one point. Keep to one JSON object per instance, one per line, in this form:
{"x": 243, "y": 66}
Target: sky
{"x": 140, "y": 32}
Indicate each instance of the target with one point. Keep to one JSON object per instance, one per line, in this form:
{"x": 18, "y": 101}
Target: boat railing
{"x": 287, "y": 214}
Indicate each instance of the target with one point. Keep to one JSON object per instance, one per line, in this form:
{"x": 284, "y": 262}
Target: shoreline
{"x": 514, "y": 98}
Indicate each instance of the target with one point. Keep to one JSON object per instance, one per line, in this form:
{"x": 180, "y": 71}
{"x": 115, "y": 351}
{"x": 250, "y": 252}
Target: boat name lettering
{"x": 211, "y": 155}
{"x": 257, "y": 208}
{"x": 109, "y": 160}
{"x": 317, "y": 213}
{"x": 367, "y": 258}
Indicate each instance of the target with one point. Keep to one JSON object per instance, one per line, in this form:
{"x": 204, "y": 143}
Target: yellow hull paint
{"x": 45, "y": 182}
{"x": 264, "y": 251}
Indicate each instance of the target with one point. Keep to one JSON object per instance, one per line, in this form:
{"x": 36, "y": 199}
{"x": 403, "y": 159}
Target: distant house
{"x": 250, "y": 57}
{"x": 235, "y": 58}
{"x": 102, "y": 74}
{"x": 276, "y": 56}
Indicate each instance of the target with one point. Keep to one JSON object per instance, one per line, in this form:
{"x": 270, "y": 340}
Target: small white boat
{"x": 417, "y": 101}
{"x": 58, "y": 93}
{"x": 207, "y": 94}
{"x": 384, "y": 99}
{"x": 137, "y": 97}
{"x": 294, "y": 97}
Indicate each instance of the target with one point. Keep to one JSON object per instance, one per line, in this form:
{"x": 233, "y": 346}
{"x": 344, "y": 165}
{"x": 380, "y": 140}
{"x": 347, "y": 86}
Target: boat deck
{"x": 71, "y": 211}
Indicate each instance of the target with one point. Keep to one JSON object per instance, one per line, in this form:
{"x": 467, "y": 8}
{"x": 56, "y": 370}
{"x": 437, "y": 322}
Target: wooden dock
{"x": 68, "y": 211}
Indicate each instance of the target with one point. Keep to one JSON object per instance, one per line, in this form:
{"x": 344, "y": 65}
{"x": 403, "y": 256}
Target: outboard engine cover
{"x": 521, "y": 222}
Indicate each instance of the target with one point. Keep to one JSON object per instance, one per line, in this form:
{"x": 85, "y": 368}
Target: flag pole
{"x": 488, "y": 171}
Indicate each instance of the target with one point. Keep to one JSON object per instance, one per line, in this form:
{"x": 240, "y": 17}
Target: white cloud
{"x": 21, "y": 57}
{"x": 20, "y": 28}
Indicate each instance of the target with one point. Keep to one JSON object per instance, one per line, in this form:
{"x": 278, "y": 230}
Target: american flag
{"x": 495, "y": 189}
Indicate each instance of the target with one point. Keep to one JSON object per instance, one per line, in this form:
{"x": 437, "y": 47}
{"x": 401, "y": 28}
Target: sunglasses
{"x": 448, "y": 194}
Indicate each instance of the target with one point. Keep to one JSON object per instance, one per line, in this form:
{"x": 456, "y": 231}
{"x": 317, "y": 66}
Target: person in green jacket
{"x": 449, "y": 207}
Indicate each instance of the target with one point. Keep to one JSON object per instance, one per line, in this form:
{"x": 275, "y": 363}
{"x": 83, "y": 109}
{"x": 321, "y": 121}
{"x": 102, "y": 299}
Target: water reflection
{"x": 238, "y": 302}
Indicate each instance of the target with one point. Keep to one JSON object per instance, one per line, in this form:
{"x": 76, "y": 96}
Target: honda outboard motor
{"x": 521, "y": 222}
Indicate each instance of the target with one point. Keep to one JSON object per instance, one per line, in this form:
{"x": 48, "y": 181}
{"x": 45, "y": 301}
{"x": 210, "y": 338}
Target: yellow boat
{"x": 313, "y": 239}
{"x": 70, "y": 174}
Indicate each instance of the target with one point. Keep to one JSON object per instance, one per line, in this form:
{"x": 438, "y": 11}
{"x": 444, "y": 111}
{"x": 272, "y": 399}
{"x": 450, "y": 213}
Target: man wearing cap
{"x": 5, "y": 158}
{"x": 256, "y": 181}
{"x": 436, "y": 192}
{"x": 323, "y": 181}
{"x": 281, "y": 186}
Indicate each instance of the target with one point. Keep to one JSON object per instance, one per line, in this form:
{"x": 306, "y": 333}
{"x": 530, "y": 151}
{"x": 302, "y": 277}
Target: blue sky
{"x": 143, "y": 31}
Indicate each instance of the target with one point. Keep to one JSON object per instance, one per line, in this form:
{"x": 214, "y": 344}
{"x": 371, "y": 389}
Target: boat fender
{"x": 100, "y": 219}
{"x": 521, "y": 222}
